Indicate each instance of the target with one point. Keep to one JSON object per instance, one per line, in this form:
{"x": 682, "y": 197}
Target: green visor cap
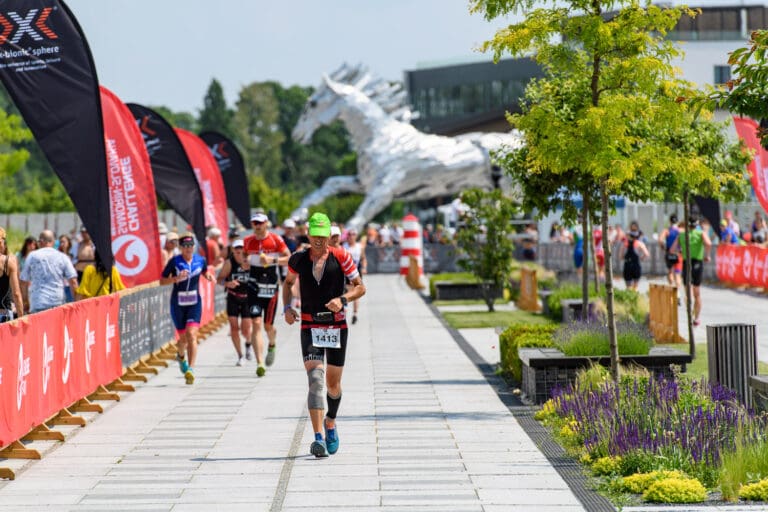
{"x": 319, "y": 225}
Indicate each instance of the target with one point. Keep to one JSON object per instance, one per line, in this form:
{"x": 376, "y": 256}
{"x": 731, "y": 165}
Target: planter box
{"x": 759, "y": 385}
{"x": 451, "y": 290}
{"x": 545, "y": 369}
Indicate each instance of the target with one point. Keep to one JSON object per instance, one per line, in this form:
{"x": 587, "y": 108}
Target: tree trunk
{"x": 586, "y": 241}
{"x": 609, "y": 282}
{"x": 488, "y": 295}
{"x": 687, "y": 256}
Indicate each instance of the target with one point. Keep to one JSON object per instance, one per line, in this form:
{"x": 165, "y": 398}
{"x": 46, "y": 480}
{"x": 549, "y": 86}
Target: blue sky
{"x": 165, "y": 52}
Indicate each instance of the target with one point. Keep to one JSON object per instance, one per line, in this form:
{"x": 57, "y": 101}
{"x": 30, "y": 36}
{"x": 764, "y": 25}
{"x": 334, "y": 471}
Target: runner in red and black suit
{"x": 265, "y": 251}
{"x": 321, "y": 271}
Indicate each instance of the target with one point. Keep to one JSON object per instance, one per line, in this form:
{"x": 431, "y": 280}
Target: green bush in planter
{"x": 520, "y": 336}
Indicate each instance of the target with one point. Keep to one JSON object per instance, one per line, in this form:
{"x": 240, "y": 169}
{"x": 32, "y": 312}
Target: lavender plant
{"x": 685, "y": 425}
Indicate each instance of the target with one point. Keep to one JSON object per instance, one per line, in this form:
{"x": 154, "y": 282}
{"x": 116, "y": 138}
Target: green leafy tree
{"x": 215, "y": 116}
{"x": 746, "y": 94}
{"x": 256, "y": 129}
{"x": 305, "y": 167}
{"x": 12, "y": 132}
{"x": 486, "y": 240}
{"x": 183, "y": 120}
{"x": 619, "y": 102}
{"x": 271, "y": 198}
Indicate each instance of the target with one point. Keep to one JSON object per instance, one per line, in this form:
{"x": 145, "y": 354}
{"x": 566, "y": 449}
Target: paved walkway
{"x": 420, "y": 429}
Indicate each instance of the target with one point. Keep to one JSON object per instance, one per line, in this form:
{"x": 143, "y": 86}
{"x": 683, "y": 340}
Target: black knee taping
{"x": 333, "y": 405}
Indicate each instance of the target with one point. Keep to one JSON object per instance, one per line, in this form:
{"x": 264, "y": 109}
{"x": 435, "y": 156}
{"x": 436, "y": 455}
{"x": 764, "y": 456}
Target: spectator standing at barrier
{"x": 234, "y": 276}
{"x": 700, "y": 245}
{"x": 184, "y": 272}
{"x": 667, "y": 240}
{"x": 759, "y": 231}
{"x": 577, "y": 235}
{"x": 732, "y": 224}
{"x": 29, "y": 245}
{"x": 530, "y": 240}
{"x": 357, "y": 251}
{"x": 85, "y": 252}
{"x": 727, "y": 234}
{"x": 321, "y": 271}
{"x": 65, "y": 247}
{"x": 44, "y": 274}
{"x": 213, "y": 247}
{"x": 170, "y": 247}
{"x": 97, "y": 281}
{"x": 11, "y": 302}
{"x": 632, "y": 251}
{"x": 265, "y": 252}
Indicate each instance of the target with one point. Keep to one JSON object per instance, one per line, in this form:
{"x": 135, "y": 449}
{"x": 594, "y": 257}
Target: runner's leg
{"x": 235, "y": 334}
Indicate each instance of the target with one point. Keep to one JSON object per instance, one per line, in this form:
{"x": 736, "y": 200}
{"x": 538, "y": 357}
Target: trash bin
{"x": 732, "y": 357}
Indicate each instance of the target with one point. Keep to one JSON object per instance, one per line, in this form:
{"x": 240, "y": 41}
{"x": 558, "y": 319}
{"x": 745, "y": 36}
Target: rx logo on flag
{"x": 30, "y": 24}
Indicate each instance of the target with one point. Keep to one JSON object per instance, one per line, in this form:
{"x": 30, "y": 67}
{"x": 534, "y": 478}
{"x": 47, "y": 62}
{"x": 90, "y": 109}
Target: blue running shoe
{"x": 331, "y": 439}
{"x": 183, "y": 364}
{"x": 318, "y": 449}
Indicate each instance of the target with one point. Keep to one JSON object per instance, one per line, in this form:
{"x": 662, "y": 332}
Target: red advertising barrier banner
{"x": 210, "y": 181}
{"x": 135, "y": 237}
{"x": 742, "y": 265}
{"x": 51, "y": 359}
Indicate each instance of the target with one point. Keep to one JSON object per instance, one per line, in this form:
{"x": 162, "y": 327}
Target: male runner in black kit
{"x": 321, "y": 271}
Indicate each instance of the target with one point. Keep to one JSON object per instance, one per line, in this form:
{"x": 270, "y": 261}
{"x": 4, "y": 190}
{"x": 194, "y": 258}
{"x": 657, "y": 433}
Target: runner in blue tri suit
{"x": 184, "y": 271}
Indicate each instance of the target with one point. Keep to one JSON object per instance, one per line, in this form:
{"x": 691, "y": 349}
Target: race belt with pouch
{"x": 324, "y": 317}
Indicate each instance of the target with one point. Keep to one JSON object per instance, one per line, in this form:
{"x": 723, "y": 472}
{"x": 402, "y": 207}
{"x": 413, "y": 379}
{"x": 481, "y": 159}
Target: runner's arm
{"x": 226, "y": 268}
{"x": 290, "y": 313}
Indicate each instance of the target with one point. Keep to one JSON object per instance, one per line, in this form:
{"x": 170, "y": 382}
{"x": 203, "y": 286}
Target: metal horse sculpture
{"x": 394, "y": 159}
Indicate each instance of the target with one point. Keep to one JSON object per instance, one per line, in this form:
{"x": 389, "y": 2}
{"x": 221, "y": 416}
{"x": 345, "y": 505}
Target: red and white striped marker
{"x": 411, "y": 244}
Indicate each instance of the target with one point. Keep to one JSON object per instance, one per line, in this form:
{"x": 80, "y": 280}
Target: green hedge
{"x": 629, "y": 304}
{"x": 520, "y": 336}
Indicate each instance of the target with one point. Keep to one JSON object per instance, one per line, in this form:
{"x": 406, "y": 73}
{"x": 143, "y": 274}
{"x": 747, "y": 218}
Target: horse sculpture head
{"x": 325, "y": 105}
{"x": 322, "y": 108}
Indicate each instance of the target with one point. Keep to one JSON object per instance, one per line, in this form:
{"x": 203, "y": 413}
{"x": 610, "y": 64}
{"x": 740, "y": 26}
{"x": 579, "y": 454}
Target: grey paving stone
{"x": 420, "y": 430}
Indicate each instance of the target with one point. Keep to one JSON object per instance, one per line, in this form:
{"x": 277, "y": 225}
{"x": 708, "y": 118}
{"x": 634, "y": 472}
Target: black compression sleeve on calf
{"x": 333, "y": 405}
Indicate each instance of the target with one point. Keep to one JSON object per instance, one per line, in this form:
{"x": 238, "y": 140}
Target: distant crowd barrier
{"x": 54, "y": 362}
{"x": 559, "y": 257}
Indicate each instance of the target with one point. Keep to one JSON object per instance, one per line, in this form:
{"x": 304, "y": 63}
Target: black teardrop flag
{"x": 232, "y": 169}
{"x": 175, "y": 179}
{"x": 47, "y": 68}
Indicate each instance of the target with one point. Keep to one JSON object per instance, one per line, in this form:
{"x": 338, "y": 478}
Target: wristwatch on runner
{"x": 343, "y": 300}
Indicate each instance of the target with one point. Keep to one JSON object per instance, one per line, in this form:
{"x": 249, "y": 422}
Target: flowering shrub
{"x": 639, "y": 482}
{"x": 546, "y": 412}
{"x": 684, "y": 425}
{"x": 675, "y": 490}
{"x": 755, "y": 492}
{"x": 606, "y": 466}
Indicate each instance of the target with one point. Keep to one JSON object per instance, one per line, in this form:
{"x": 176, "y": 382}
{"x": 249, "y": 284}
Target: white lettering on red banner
{"x": 48, "y": 354}
{"x": 90, "y": 341}
{"x": 69, "y": 348}
{"x": 111, "y": 329}
{"x": 21, "y": 388}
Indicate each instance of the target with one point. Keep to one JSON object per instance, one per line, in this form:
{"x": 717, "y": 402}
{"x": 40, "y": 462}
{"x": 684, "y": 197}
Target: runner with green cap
{"x": 321, "y": 271}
